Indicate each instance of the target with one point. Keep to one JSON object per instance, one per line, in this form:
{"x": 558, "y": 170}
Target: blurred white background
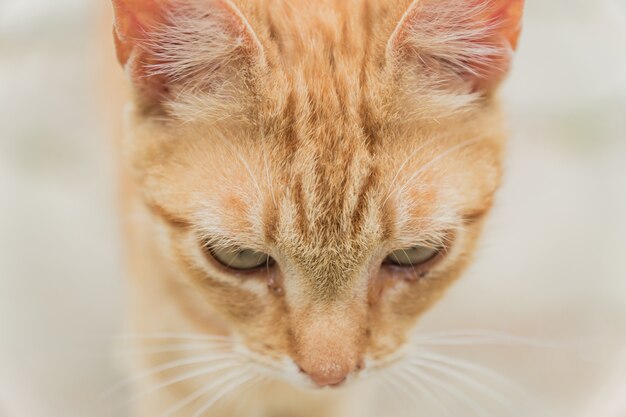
{"x": 552, "y": 265}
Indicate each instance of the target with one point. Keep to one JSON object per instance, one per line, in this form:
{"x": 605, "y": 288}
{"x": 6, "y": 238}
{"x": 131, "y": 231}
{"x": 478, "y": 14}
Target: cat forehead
{"x": 328, "y": 195}
{"x": 320, "y": 172}
{"x": 317, "y": 198}
{"x": 323, "y": 31}
{"x": 323, "y": 140}
{"x": 336, "y": 117}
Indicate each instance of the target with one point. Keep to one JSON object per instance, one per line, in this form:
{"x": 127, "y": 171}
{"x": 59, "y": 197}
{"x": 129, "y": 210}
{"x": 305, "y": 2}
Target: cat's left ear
{"x": 169, "y": 46}
{"x": 458, "y": 44}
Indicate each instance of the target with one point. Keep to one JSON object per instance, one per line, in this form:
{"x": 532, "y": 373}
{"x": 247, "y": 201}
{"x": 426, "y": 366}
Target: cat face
{"x": 318, "y": 171}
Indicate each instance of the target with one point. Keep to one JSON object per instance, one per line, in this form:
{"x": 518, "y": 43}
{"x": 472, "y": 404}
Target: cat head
{"x": 321, "y": 169}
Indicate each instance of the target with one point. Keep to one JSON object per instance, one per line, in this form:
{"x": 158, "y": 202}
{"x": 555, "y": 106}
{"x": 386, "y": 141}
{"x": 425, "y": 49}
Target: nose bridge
{"x": 332, "y": 275}
{"x": 328, "y": 342}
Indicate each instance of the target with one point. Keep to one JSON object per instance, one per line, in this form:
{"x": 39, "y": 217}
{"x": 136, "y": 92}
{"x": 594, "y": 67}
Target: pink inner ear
{"x": 470, "y": 40}
{"x": 505, "y": 14}
{"x": 132, "y": 19}
{"x": 506, "y": 17}
{"x": 167, "y": 45}
{"x": 510, "y": 14}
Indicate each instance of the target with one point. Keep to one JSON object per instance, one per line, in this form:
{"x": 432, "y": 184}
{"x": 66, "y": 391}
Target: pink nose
{"x": 328, "y": 380}
{"x": 329, "y": 374}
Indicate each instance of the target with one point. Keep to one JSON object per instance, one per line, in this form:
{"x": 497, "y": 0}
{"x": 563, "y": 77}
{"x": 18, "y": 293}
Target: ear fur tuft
{"x": 458, "y": 44}
{"x": 171, "y": 47}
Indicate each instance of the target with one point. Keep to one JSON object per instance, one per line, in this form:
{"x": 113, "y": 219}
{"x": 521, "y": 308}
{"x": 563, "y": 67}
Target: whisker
{"x": 388, "y": 387}
{"x": 201, "y": 392}
{"x": 450, "y": 389}
{"x": 476, "y": 337}
{"x": 432, "y": 395}
{"x": 233, "y": 385}
{"x": 246, "y": 166}
{"x": 403, "y": 389}
{"x": 181, "y": 378}
{"x": 399, "y": 171}
{"x": 490, "y": 373}
{"x": 412, "y": 266}
{"x": 247, "y": 401}
{"x": 174, "y": 336}
{"x": 436, "y": 159}
{"x": 417, "y": 383}
{"x": 469, "y": 381}
{"x": 166, "y": 367}
{"x": 138, "y": 350}
{"x": 267, "y": 173}
{"x": 228, "y": 145}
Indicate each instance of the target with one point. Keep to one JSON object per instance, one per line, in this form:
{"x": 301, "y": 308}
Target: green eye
{"x": 241, "y": 259}
{"x": 414, "y": 256}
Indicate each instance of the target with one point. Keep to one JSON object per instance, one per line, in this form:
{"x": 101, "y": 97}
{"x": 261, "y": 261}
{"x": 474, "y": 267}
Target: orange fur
{"x": 314, "y": 136}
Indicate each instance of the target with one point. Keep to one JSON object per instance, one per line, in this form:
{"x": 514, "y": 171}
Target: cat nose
{"x": 327, "y": 378}
{"x": 329, "y": 374}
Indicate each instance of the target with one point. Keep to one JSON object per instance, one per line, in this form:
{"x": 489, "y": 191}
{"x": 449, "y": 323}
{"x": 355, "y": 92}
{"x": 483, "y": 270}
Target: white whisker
{"x": 246, "y": 165}
{"x": 267, "y": 172}
{"x": 139, "y": 350}
{"x": 435, "y": 399}
{"x": 410, "y": 394}
{"x": 469, "y": 381}
{"x": 166, "y": 367}
{"x": 479, "y": 369}
{"x": 181, "y": 378}
{"x": 449, "y": 388}
{"x": 174, "y": 336}
{"x": 227, "y": 389}
{"x": 476, "y": 337}
{"x": 201, "y": 392}
{"x": 436, "y": 159}
{"x": 390, "y": 387}
{"x": 402, "y": 166}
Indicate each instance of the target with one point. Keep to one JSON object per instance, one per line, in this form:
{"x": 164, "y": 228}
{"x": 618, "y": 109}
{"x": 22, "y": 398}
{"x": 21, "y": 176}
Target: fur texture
{"x": 326, "y": 134}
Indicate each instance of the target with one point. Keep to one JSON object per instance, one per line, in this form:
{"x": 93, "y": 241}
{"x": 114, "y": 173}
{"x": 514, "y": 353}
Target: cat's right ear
{"x": 171, "y": 46}
{"x": 458, "y": 45}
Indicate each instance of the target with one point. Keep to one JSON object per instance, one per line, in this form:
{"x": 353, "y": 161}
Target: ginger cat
{"x": 308, "y": 178}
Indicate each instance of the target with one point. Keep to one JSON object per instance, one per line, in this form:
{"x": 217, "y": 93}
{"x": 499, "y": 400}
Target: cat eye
{"x": 417, "y": 255}
{"x": 240, "y": 259}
